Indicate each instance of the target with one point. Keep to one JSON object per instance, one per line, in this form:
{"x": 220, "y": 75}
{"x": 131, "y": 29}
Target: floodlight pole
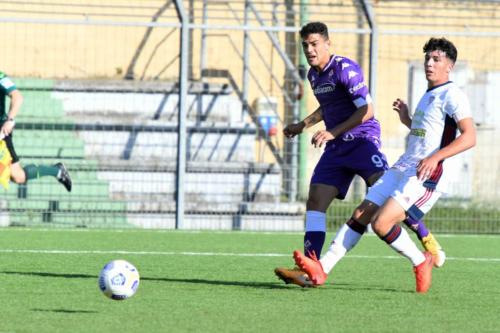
{"x": 182, "y": 103}
{"x": 370, "y": 17}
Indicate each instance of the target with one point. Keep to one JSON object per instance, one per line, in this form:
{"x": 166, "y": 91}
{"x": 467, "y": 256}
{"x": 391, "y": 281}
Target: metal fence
{"x": 168, "y": 114}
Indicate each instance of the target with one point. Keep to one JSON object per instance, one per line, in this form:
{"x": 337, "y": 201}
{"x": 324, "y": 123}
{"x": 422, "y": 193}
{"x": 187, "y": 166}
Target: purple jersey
{"x": 340, "y": 90}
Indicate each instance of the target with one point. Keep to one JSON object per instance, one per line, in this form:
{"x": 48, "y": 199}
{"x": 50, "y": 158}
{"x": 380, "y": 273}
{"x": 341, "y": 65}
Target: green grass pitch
{"x": 224, "y": 282}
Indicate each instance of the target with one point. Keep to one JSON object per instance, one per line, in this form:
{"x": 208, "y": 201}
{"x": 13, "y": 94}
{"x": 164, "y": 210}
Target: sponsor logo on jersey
{"x": 351, "y": 74}
{"x": 420, "y": 132}
{"x": 357, "y": 87}
{"x": 348, "y": 137}
{"x": 436, "y": 101}
{"x": 324, "y": 89}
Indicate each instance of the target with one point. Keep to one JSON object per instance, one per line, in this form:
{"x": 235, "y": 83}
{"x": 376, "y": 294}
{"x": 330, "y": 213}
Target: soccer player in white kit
{"x": 415, "y": 182}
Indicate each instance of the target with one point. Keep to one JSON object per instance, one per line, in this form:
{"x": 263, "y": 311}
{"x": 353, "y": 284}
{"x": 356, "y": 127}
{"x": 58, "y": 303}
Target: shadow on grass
{"x": 354, "y": 287}
{"x": 259, "y": 285}
{"x": 279, "y": 285}
{"x": 276, "y": 285}
{"x": 63, "y": 311}
{"x": 56, "y": 275}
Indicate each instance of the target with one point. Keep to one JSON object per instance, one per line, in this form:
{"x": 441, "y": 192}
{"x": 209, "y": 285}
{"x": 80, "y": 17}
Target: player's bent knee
{"x": 18, "y": 177}
{"x": 17, "y": 174}
{"x": 320, "y": 197}
{"x": 373, "y": 178}
{"x": 364, "y": 212}
{"x": 315, "y": 202}
{"x": 377, "y": 228}
{"x": 378, "y": 225}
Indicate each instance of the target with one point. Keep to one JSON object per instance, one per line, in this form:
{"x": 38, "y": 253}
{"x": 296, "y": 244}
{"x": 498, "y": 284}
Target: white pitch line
{"x": 219, "y": 232}
{"x": 216, "y": 254}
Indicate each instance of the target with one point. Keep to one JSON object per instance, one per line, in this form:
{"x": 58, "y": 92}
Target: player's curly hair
{"x": 314, "y": 28}
{"x": 442, "y": 44}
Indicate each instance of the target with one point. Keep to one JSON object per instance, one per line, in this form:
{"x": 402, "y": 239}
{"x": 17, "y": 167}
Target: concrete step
{"x": 48, "y": 143}
{"x": 133, "y": 108}
{"x": 154, "y": 183}
{"x": 234, "y": 142}
{"x": 248, "y": 222}
{"x": 130, "y": 102}
{"x": 70, "y": 205}
{"x": 65, "y": 219}
{"x": 280, "y": 217}
{"x": 200, "y": 187}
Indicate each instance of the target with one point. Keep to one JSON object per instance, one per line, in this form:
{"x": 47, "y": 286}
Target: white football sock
{"x": 405, "y": 246}
{"x": 344, "y": 240}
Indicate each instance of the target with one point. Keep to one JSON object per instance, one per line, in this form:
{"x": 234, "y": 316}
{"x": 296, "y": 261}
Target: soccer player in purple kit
{"x": 352, "y": 147}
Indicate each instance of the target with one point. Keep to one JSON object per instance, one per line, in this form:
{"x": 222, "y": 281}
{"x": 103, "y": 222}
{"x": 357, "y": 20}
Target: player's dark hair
{"x": 442, "y": 44}
{"x": 314, "y": 28}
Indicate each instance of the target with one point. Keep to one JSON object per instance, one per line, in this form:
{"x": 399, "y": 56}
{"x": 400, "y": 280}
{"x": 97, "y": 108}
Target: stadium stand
{"x": 118, "y": 139}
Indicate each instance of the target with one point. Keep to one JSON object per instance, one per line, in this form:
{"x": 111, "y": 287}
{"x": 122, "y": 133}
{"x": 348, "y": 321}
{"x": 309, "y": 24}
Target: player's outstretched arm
{"x": 294, "y": 129}
{"x": 402, "y": 109}
{"x": 466, "y": 140}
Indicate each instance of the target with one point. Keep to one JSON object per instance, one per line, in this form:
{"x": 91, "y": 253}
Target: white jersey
{"x": 434, "y": 126}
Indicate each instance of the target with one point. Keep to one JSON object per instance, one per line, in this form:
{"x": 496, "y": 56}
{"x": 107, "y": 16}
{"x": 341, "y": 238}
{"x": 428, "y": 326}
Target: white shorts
{"x": 406, "y": 189}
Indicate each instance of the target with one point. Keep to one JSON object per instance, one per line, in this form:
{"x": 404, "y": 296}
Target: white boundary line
{"x": 222, "y": 232}
{"x": 213, "y": 254}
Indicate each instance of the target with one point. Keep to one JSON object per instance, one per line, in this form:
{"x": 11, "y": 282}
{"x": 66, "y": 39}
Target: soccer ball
{"x": 119, "y": 280}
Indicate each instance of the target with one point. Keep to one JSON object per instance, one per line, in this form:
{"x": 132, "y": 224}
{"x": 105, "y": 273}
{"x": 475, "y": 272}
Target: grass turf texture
{"x": 371, "y": 290}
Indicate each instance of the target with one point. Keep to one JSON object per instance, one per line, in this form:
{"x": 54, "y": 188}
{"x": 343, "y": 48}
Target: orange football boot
{"x": 423, "y": 274}
{"x": 294, "y": 275}
{"x": 311, "y": 266}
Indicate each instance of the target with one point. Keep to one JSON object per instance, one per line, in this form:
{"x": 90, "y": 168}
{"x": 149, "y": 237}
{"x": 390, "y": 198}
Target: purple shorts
{"x": 342, "y": 160}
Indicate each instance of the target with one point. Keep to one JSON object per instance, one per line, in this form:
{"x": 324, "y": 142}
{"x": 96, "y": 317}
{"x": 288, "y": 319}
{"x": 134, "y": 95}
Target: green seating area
{"x": 70, "y": 219}
{"x": 87, "y": 204}
{"x": 38, "y": 105}
{"x": 119, "y": 147}
{"x": 48, "y": 144}
{"x": 45, "y": 202}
